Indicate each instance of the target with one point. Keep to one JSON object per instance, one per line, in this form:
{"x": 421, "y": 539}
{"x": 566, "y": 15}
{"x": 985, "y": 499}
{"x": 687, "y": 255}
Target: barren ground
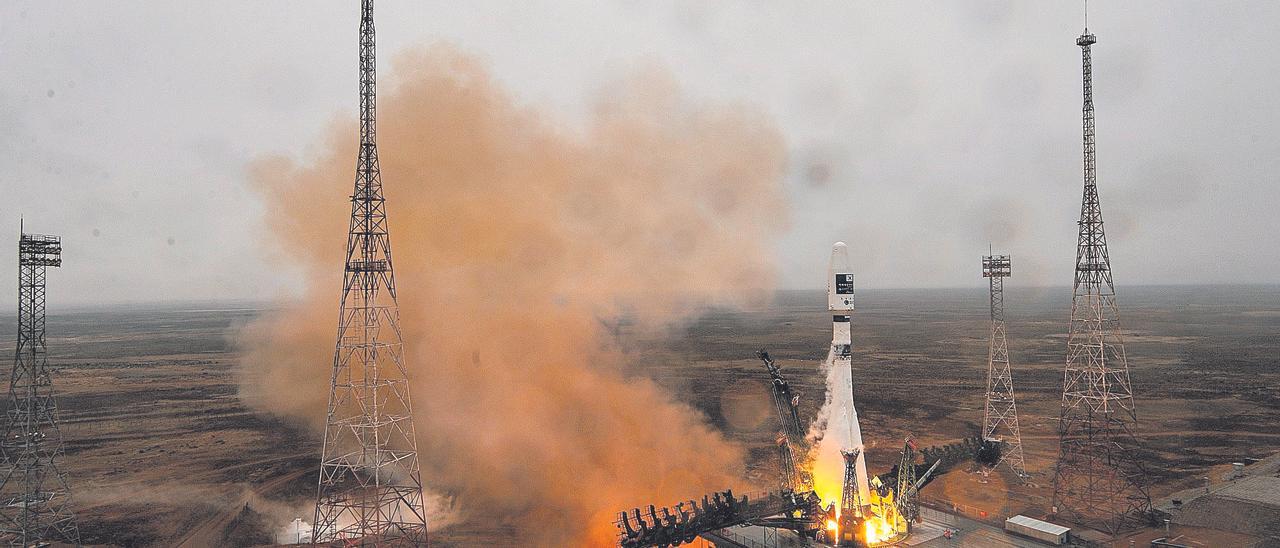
{"x": 161, "y": 452}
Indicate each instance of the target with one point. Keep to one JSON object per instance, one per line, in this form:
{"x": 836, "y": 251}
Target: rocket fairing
{"x": 840, "y": 299}
{"x": 840, "y": 303}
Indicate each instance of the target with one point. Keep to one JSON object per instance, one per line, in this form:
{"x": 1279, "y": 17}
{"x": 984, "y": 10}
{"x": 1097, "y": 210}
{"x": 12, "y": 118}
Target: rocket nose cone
{"x": 840, "y": 279}
{"x": 839, "y": 257}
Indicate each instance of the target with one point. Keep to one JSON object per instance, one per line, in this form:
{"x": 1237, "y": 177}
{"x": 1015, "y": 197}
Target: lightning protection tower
{"x": 370, "y": 489}
{"x": 34, "y": 497}
{"x": 1000, "y": 418}
{"x": 1098, "y": 481}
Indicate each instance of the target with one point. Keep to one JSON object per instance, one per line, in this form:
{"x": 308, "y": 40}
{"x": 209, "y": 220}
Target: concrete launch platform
{"x": 930, "y": 534}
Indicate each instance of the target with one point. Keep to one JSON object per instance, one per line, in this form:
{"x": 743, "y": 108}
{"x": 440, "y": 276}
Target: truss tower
{"x": 1000, "y": 418}
{"x": 370, "y": 488}
{"x": 34, "y": 496}
{"x": 1098, "y": 480}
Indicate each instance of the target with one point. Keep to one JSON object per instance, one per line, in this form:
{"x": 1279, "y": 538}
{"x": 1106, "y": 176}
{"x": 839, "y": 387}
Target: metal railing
{"x": 769, "y": 534}
{"x": 963, "y": 510}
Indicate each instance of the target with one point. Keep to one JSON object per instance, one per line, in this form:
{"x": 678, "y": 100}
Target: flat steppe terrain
{"x": 161, "y": 452}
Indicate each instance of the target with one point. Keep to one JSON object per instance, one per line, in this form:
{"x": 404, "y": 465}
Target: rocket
{"x": 840, "y": 303}
{"x": 840, "y": 300}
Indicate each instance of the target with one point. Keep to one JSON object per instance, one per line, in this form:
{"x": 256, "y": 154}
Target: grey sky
{"x": 918, "y": 131}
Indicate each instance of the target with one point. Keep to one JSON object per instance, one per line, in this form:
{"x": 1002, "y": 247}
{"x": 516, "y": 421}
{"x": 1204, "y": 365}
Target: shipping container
{"x": 1036, "y": 529}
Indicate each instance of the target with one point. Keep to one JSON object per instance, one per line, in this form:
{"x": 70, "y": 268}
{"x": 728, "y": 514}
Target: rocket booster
{"x": 840, "y": 303}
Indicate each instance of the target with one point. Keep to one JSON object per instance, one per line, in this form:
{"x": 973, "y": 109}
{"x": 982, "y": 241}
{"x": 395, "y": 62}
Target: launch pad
{"x": 936, "y": 529}
{"x": 871, "y": 511}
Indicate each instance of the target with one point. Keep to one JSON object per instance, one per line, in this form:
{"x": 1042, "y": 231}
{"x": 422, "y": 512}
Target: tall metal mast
{"x": 1097, "y": 481}
{"x": 1000, "y": 417}
{"x": 34, "y": 496}
{"x": 370, "y": 488}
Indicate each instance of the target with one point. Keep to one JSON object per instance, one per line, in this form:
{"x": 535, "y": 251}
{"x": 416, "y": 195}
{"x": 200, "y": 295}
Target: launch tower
{"x": 791, "y": 440}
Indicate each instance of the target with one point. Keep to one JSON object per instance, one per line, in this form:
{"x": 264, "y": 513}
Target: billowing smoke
{"x": 518, "y": 240}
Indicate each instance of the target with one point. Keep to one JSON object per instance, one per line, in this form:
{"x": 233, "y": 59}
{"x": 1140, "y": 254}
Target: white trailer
{"x": 1040, "y": 530}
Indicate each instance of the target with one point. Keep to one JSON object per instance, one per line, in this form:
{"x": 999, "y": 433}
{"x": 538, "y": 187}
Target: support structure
{"x": 791, "y": 440}
{"x": 1098, "y": 480}
{"x": 851, "y": 501}
{"x": 684, "y": 522}
{"x": 34, "y": 496}
{"x": 370, "y": 488}
{"x": 906, "y": 491}
{"x": 1000, "y": 417}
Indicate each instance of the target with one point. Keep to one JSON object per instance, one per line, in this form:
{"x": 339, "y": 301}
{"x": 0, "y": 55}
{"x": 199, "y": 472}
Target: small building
{"x": 1249, "y": 506}
{"x": 1040, "y": 530}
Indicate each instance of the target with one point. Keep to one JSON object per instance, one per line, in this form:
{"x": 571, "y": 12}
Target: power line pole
{"x": 34, "y": 496}
{"x": 1000, "y": 417}
{"x": 370, "y": 488}
{"x": 1098, "y": 480}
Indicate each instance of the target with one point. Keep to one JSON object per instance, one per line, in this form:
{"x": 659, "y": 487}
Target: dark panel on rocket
{"x": 844, "y": 284}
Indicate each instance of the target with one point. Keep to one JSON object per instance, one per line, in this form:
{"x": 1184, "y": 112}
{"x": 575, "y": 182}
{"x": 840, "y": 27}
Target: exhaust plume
{"x": 832, "y": 433}
{"x": 517, "y": 240}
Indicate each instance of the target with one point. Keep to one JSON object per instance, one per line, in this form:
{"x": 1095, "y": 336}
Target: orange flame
{"x": 878, "y": 530}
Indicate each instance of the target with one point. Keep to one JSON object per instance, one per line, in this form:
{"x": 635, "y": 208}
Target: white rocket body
{"x": 840, "y": 303}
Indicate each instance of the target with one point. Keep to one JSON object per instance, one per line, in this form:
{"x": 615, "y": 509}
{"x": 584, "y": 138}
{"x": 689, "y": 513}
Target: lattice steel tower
{"x": 1000, "y": 417}
{"x": 370, "y": 489}
{"x": 1098, "y": 480}
{"x": 851, "y": 502}
{"x": 34, "y": 497}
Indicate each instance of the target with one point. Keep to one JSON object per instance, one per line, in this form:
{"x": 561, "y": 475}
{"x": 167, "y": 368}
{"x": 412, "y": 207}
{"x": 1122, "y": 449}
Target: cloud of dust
{"x": 517, "y": 240}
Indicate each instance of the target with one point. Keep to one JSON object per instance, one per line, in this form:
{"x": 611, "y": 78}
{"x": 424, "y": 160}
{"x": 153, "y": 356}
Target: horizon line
{"x": 259, "y": 303}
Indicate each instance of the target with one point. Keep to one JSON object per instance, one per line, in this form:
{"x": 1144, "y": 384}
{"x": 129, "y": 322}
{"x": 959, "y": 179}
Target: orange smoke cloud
{"x": 516, "y": 241}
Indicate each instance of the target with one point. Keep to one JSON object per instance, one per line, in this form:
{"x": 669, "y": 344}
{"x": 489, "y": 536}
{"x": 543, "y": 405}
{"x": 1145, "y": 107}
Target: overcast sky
{"x": 917, "y": 131}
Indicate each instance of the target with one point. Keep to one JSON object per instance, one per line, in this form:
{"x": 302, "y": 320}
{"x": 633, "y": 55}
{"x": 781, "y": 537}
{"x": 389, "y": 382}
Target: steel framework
{"x": 1000, "y": 417}
{"x": 851, "y": 501}
{"x": 905, "y": 495}
{"x": 791, "y": 442}
{"x": 370, "y": 488}
{"x": 1098, "y": 480}
{"x": 34, "y": 496}
{"x": 684, "y": 522}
